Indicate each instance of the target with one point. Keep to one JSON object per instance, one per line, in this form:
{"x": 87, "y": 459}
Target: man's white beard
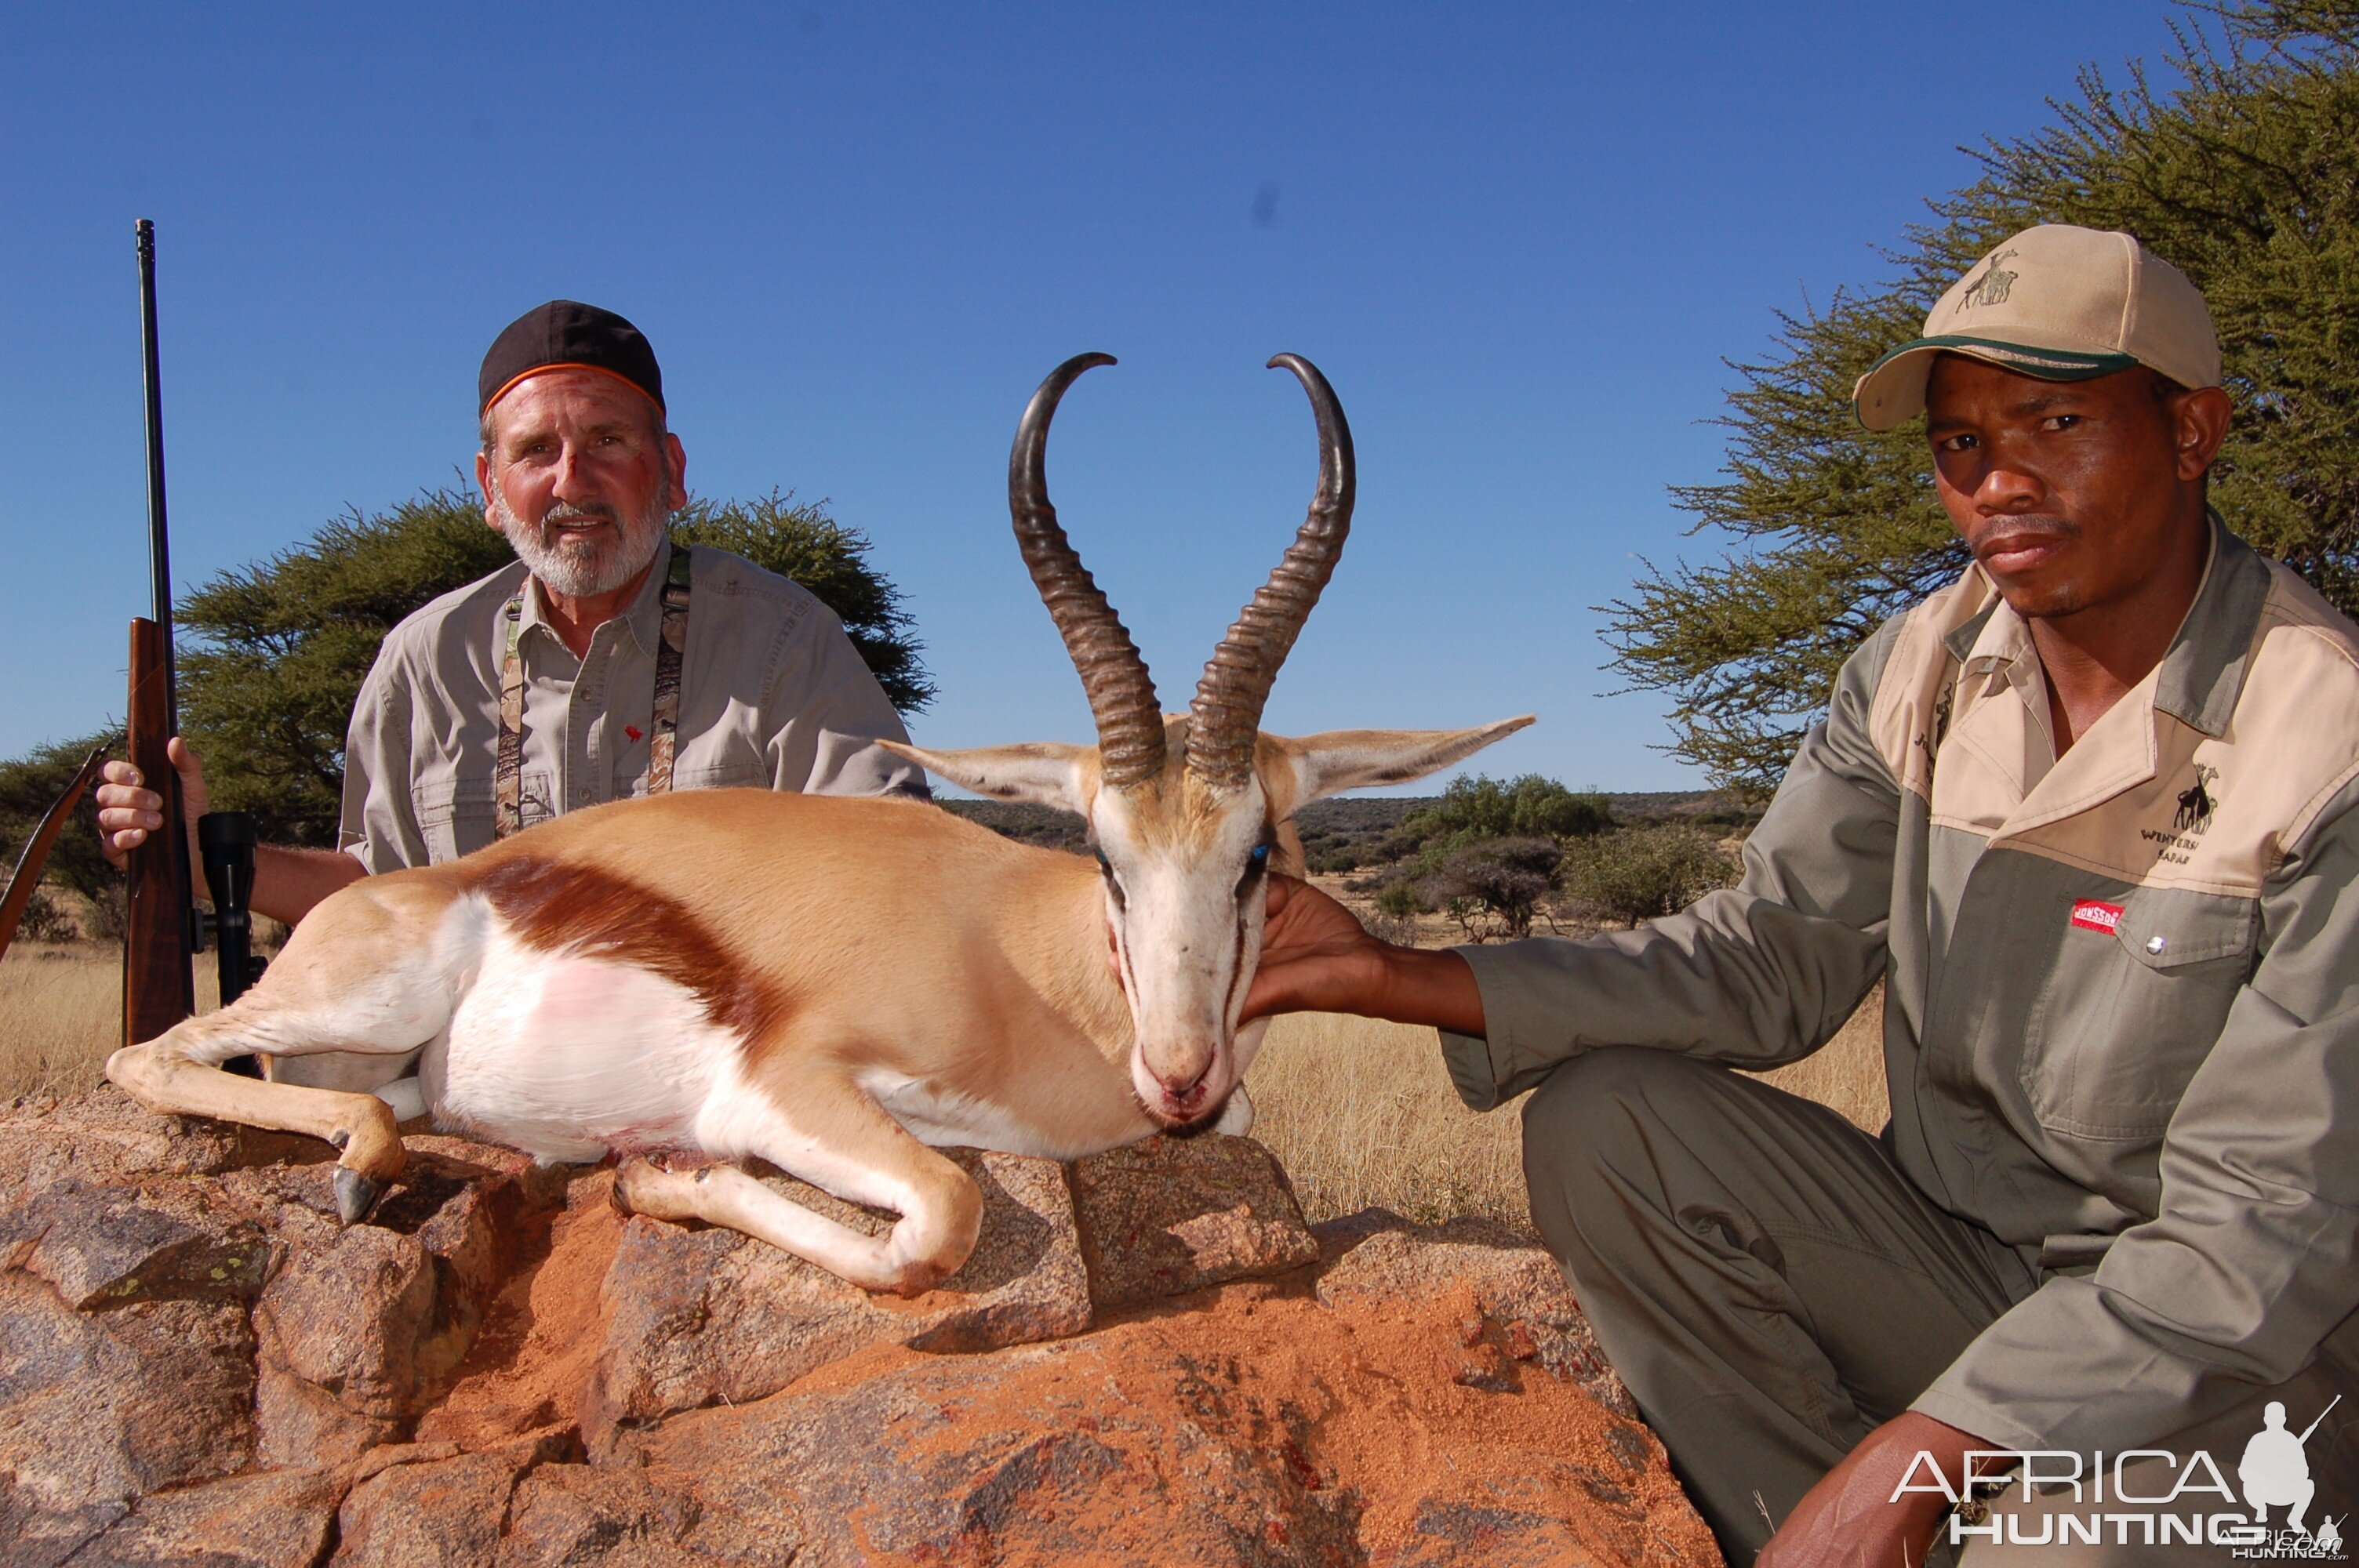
{"x": 579, "y": 565}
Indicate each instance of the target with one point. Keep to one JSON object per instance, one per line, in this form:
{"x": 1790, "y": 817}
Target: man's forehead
{"x": 1961, "y": 387}
{"x": 572, "y": 395}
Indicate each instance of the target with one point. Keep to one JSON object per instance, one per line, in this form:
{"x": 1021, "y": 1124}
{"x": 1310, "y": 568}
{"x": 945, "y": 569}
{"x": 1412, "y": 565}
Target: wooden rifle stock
{"x": 159, "y": 974}
{"x": 160, "y": 938}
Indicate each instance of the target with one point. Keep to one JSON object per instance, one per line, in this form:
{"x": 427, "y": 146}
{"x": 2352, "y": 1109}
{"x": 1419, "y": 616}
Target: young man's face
{"x": 2070, "y": 493}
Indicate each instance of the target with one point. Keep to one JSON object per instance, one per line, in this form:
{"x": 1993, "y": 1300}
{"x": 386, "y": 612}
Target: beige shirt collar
{"x": 643, "y": 617}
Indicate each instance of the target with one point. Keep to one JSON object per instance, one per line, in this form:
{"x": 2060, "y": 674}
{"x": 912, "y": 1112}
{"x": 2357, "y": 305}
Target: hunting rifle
{"x": 163, "y": 930}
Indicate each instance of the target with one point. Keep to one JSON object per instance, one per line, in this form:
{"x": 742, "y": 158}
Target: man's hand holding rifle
{"x": 287, "y": 880}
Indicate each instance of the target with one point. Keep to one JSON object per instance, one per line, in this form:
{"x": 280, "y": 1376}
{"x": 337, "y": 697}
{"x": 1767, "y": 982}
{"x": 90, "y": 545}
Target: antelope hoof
{"x": 641, "y": 1186}
{"x": 355, "y": 1196}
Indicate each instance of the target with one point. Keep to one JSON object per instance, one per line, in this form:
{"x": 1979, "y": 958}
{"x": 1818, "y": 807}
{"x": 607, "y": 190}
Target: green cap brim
{"x": 1883, "y": 400}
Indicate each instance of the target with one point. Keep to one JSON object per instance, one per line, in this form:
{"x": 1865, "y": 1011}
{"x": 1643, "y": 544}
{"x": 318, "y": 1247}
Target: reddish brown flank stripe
{"x": 556, "y": 907}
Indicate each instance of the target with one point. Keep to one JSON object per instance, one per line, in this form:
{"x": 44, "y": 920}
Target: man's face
{"x": 579, "y": 479}
{"x": 2072, "y": 493}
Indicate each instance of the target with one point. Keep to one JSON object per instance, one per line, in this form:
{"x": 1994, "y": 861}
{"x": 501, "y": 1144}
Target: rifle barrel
{"x": 159, "y": 549}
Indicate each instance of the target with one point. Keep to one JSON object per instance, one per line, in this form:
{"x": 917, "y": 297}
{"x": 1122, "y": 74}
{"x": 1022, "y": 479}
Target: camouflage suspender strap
{"x": 672, "y": 643}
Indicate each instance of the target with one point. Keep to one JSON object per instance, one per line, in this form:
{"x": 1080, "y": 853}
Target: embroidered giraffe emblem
{"x": 2195, "y": 802}
{"x": 1993, "y": 286}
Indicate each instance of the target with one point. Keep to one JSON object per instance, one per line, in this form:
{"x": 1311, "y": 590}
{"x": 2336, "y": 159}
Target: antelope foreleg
{"x": 164, "y": 1076}
{"x": 838, "y": 1137}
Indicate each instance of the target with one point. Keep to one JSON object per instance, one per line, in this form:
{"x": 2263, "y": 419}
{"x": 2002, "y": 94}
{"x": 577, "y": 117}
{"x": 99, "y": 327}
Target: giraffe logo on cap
{"x": 1993, "y": 289}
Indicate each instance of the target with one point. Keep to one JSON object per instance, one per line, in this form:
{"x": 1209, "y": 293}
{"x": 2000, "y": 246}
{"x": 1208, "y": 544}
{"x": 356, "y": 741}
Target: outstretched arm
{"x": 1315, "y": 957}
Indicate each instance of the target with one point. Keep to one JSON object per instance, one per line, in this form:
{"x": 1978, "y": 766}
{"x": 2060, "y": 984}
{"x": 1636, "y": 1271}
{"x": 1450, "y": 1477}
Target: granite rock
{"x": 109, "y": 1245}
{"x": 432, "y": 1508}
{"x": 699, "y": 1315}
{"x": 98, "y": 1409}
{"x": 1376, "y": 1257}
{"x": 1173, "y": 1215}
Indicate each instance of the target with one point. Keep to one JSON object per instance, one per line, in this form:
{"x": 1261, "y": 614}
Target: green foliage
{"x": 28, "y": 785}
{"x": 1495, "y": 886}
{"x": 267, "y": 681}
{"x": 2246, "y": 177}
{"x": 1486, "y": 852}
{"x": 1641, "y": 873}
{"x": 1525, "y": 807}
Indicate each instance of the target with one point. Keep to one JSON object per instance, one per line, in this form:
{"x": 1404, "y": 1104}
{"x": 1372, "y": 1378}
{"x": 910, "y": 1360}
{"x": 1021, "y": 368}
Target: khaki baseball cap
{"x": 2061, "y": 303}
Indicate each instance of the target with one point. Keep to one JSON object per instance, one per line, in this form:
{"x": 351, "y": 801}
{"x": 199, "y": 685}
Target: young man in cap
{"x": 2088, "y": 815}
{"x": 604, "y": 663}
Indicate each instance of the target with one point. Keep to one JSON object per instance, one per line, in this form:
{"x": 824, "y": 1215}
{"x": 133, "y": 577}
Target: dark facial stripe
{"x": 556, "y": 907}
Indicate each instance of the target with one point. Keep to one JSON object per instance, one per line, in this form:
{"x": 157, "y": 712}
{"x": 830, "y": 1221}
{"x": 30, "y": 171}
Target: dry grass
{"x": 61, "y": 1012}
{"x": 1361, "y": 1113}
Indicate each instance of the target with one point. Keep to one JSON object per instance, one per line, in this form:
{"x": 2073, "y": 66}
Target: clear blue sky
{"x": 1518, "y": 239}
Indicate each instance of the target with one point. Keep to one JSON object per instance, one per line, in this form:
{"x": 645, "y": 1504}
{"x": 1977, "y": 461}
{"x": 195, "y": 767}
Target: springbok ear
{"x": 1321, "y": 765}
{"x": 1046, "y": 772}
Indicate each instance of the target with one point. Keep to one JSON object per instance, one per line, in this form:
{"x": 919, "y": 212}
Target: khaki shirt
{"x": 773, "y": 693}
{"x": 2122, "y": 988}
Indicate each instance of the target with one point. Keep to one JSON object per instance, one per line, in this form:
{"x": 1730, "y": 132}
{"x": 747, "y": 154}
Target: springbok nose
{"x": 1186, "y": 1093}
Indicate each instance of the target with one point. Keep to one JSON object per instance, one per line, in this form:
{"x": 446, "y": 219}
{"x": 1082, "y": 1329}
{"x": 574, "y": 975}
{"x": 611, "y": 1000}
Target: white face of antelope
{"x": 1184, "y": 894}
{"x": 1184, "y": 870}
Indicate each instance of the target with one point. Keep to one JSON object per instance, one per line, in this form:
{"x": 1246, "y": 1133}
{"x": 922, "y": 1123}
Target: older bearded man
{"x": 606, "y": 662}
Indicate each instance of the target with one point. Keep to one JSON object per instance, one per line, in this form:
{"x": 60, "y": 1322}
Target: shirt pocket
{"x": 455, "y": 815}
{"x": 2125, "y": 1021}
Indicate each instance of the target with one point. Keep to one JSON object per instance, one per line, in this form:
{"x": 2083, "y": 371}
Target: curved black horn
{"x": 1121, "y": 693}
{"x": 1226, "y": 713}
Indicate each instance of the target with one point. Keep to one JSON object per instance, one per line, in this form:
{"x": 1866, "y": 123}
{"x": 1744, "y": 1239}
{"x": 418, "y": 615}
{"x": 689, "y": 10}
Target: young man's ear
{"x": 2199, "y": 419}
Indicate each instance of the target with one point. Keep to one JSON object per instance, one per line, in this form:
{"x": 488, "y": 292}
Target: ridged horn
{"x": 1227, "y": 711}
{"x": 1121, "y": 692}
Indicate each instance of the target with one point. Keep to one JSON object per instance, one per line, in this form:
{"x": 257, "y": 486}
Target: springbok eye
{"x": 1113, "y": 883}
{"x": 1257, "y": 863}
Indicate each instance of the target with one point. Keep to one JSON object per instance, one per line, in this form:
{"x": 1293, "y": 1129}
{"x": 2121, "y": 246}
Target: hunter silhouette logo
{"x": 1993, "y": 286}
{"x": 2274, "y": 1472}
{"x": 2195, "y": 803}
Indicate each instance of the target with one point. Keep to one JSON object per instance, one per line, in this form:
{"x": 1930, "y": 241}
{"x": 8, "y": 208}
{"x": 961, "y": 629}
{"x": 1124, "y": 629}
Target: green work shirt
{"x": 773, "y": 695}
{"x": 2119, "y": 1025}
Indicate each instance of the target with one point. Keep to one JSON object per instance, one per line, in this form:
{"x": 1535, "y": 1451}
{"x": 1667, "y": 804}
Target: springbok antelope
{"x": 833, "y": 984}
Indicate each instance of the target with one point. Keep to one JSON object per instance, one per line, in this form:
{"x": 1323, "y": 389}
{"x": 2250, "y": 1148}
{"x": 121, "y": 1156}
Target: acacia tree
{"x": 2247, "y": 175}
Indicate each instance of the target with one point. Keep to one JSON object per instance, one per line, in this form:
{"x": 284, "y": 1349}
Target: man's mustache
{"x": 595, "y": 511}
{"x": 2021, "y": 529}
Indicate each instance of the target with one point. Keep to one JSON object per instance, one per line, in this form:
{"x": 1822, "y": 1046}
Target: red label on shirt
{"x": 632, "y": 731}
{"x": 2090, "y": 915}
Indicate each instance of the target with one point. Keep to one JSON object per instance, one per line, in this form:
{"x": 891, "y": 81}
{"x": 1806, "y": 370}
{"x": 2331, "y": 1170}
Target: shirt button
{"x": 2155, "y": 945}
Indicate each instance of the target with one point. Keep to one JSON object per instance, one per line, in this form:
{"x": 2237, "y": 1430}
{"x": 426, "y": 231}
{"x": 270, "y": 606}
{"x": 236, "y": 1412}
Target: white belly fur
{"x": 567, "y": 1057}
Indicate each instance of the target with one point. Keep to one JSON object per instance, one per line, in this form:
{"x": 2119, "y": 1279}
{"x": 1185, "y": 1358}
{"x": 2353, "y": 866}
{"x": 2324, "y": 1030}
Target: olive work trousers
{"x": 1772, "y": 1288}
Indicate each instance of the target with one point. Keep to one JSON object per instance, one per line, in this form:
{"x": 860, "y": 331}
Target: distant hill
{"x": 1351, "y": 829}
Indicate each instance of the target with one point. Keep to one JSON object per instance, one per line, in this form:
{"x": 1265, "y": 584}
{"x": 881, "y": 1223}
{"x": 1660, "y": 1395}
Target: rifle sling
{"x": 36, "y": 853}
